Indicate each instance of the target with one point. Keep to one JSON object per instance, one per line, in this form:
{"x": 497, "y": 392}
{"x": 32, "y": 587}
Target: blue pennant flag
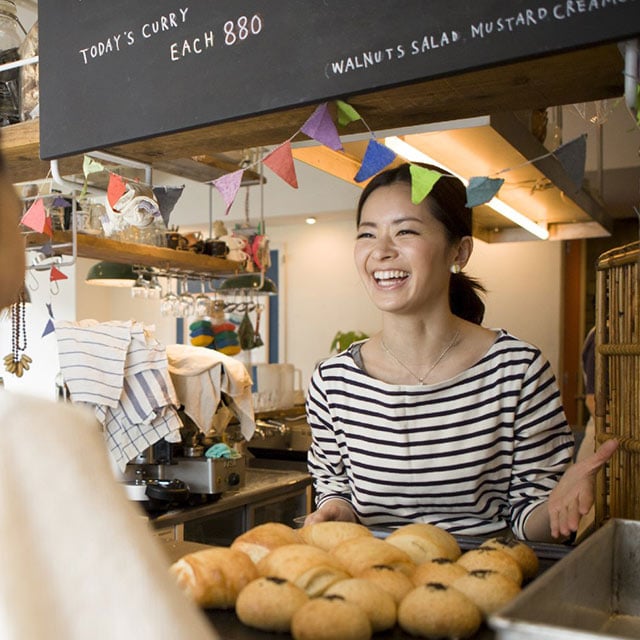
{"x": 481, "y": 190}
{"x": 376, "y": 158}
{"x": 48, "y": 329}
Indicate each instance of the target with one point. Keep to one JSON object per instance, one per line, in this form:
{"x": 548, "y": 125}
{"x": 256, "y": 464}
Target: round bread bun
{"x": 359, "y": 554}
{"x": 269, "y": 603}
{"x": 214, "y": 577}
{"x": 327, "y": 535}
{"x": 489, "y": 590}
{"x": 493, "y": 559}
{"x": 372, "y": 599}
{"x": 434, "y": 610}
{"x": 310, "y": 568}
{"x": 330, "y": 619}
{"x": 521, "y": 552}
{"x": 259, "y": 540}
{"x": 435, "y": 537}
{"x": 442, "y": 570}
{"x": 393, "y": 581}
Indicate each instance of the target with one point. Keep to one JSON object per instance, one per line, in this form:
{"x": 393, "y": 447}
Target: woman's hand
{"x": 574, "y": 494}
{"x": 333, "y": 509}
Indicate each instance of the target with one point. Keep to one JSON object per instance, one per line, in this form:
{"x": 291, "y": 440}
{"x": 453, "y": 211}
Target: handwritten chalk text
{"x": 195, "y": 45}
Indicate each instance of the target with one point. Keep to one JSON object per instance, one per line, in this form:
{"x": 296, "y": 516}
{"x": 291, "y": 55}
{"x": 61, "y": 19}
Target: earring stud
{"x": 455, "y": 268}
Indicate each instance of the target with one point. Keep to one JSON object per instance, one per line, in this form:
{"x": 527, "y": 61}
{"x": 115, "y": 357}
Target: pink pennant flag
{"x": 56, "y": 274}
{"x": 228, "y": 186}
{"x": 280, "y": 161}
{"x": 320, "y": 127}
{"x": 36, "y": 217}
{"x": 116, "y": 189}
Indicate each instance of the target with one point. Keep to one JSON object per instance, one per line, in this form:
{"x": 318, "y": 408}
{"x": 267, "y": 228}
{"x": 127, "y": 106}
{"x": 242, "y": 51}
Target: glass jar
{"x": 11, "y": 36}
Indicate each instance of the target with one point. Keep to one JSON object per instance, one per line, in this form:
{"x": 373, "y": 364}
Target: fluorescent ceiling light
{"x": 410, "y": 153}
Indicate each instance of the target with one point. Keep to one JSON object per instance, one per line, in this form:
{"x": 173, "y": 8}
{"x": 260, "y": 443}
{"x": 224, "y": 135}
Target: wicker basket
{"x": 617, "y": 381}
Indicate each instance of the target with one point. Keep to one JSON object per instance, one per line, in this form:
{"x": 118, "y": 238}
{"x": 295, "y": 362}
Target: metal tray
{"x": 594, "y": 592}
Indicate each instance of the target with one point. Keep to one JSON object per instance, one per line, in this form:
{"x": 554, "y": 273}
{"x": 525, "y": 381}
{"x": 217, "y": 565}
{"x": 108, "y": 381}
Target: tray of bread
{"x": 343, "y": 581}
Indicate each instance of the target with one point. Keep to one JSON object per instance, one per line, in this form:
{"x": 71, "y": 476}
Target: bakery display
{"x": 393, "y": 581}
{"x": 340, "y": 581}
{"x": 491, "y": 559}
{"x": 489, "y": 590}
{"x": 359, "y": 554}
{"x": 269, "y": 603}
{"x": 442, "y": 570}
{"x": 327, "y": 535}
{"x": 330, "y": 619}
{"x": 258, "y": 541}
{"x": 308, "y": 567}
{"x": 521, "y": 552}
{"x": 379, "y": 605}
{"x": 437, "y": 611}
{"x": 424, "y": 542}
{"x": 214, "y": 577}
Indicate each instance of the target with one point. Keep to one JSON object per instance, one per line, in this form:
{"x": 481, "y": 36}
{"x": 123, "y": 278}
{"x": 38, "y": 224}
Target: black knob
{"x": 233, "y": 479}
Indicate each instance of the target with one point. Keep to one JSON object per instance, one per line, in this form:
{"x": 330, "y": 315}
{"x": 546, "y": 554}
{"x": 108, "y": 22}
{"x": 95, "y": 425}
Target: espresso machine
{"x": 180, "y": 473}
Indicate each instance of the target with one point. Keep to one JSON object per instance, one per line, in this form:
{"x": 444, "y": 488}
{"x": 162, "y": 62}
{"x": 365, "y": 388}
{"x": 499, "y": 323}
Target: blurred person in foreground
{"x": 79, "y": 561}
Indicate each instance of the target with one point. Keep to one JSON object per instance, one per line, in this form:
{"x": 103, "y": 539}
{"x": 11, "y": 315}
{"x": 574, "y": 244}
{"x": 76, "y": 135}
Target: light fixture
{"x": 311, "y": 220}
{"x": 410, "y": 153}
{"x": 111, "y": 274}
{"x": 249, "y": 283}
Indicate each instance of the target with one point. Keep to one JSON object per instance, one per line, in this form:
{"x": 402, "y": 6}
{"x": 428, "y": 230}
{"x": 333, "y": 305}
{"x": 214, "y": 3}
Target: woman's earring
{"x": 455, "y": 268}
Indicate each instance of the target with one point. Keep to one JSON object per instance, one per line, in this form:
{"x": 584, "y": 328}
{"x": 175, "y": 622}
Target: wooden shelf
{"x": 584, "y": 75}
{"x": 97, "y": 248}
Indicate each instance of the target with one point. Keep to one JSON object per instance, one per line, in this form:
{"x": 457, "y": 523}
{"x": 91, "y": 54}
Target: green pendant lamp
{"x": 111, "y": 274}
{"x": 252, "y": 283}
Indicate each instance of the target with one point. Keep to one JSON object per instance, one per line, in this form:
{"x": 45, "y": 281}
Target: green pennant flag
{"x": 346, "y": 113}
{"x": 89, "y": 165}
{"x": 422, "y": 181}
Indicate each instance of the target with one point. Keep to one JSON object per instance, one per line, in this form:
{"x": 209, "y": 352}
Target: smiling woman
{"x": 437, "y": 419}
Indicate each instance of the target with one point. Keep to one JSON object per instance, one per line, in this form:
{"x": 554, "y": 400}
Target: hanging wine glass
{"x": 154, "y": 291}
{"x": 140, "y": 288}
{"x": 169, "y": 301}
{"x": 185, "y": 304}
{"x": 202, "y": 302}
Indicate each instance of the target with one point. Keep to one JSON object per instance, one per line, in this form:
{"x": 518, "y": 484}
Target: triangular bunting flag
{"x": 49, "y": 309}
{"x": 481, "y": 190}
{"x": 36, "y": 217}
{"x": 56, "y": 274}
{"x": 228, "y": 186}
{"x": 320, "y": 127}
{"x": 572, "y": 157}
{"x": 47, "y": 249}
{"x": 59, "y": 201}
{"x": 167, "y": 198}
{"x": 89, "y": 165}
{"x": 49, "y": 328}
{"x": 115, "y": 189}
{"x": 422, "y": 181}
{"x": 376, "y": 158}
{"x": 280, "y": 161}
{"x": 346, "y": 113}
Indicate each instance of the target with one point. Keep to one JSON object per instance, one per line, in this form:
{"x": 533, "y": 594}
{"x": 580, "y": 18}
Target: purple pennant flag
{"x": 481, "y": 190}
{"x": 572, "y": 157}
{"x": 48, "y": 329}
{"x": 228, "y": 186}
{"x": 376, "y": 158}
{"x": 59, "y": 201}
{"x": 320, "y": 127}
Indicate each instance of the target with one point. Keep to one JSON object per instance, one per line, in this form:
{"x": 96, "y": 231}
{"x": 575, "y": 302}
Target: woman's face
{"x": 402, "y": 252}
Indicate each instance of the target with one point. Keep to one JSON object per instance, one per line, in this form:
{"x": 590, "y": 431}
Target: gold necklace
{"x": 421, "y": 379}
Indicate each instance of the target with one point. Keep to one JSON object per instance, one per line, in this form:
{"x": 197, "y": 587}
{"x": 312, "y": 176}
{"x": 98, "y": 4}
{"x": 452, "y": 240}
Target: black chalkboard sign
{"x": 123, "y": 70}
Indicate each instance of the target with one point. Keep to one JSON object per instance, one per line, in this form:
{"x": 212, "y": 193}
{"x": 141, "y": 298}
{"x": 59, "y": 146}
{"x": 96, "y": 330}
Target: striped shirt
{"x": 473, "y": 454}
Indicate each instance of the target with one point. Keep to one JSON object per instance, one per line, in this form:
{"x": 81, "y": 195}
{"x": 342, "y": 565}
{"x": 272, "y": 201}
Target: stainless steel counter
{"x": 260, "y": 485}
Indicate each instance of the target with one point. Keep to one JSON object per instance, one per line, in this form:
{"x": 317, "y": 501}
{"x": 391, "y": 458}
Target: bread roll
{"x": 379, "y": 605}
{"x": 269, "y": 603}
{"x": 489, "y": 590}
{"x": 423, "y": 542}
{"x": 522, "y": 553}
{"x": 327, "y": 535}
{"x": 259, "y": 540}
{"x": 330, "y": 619}
{"x": 393, "y": 581}
{"x": 359, "y": 554}
{"x": 310, "y": 568}
{"x": 442, "y": 570}
{"x": 494, "y": 560}
{"x": 214, "y": 577}
{"x": 437, "y": 611}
